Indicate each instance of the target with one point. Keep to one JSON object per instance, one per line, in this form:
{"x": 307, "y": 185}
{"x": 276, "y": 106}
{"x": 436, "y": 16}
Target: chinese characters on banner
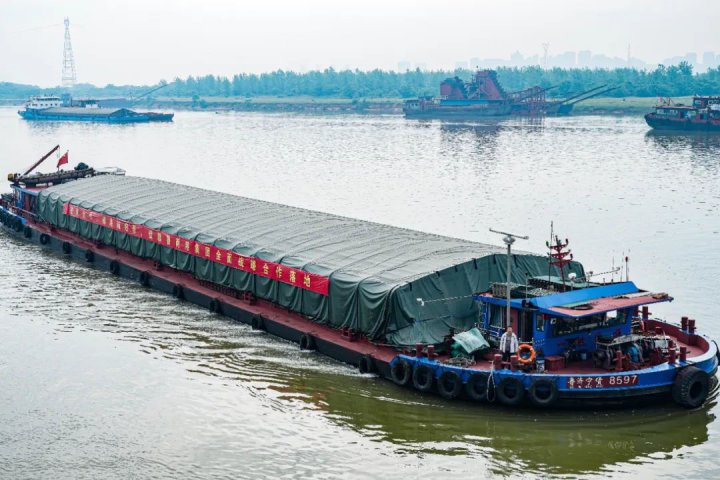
{"x": 257, "y": 266}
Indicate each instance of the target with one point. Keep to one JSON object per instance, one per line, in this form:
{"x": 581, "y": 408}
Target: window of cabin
{"x": 497, "y": 315}
{"x": 619, "y": 317}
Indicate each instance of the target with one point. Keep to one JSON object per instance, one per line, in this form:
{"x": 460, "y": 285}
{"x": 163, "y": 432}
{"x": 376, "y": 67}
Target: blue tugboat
{"x": 54, "y": 108}
{"x": 579, "y": 343}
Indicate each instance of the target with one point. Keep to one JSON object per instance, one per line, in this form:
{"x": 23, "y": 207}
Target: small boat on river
{"x": 702, "y": 116}
{"x": 425, "y": 311}
{"x": 53, "y": 108}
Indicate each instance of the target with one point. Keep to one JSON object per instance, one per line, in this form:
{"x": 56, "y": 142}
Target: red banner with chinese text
{"x": 257, "y": 266}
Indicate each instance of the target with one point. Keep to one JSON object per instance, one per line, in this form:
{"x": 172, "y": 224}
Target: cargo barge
{"x": 702, "y": 116}
{"x": 424, "y": 311}
{"x": 55, "y": 109}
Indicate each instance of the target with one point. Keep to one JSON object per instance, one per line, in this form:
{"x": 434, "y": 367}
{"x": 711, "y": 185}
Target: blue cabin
{"x": 568, "y": 319}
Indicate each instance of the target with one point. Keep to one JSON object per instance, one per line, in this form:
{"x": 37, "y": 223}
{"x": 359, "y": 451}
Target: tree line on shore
{"x": 665, "y": 81}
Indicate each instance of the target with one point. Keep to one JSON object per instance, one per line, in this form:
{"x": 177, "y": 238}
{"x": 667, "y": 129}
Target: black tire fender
{"x": 66, "y": 248}
{"x": 307, "y": 342}
{"x": 510, "y": 391}
{"x": 257, "y": 323}
{"x": 423, "y": 378}
{"x": 44, "y": 238}
{"x": 691, "y": 387}
{"x": 27, "y": 232}
{"x": 178, "y": 291}
{"x": 401, "y": 372}
{"x": 215, "y": 306}
{"x": 366, "y": 364}
{"x": 543, "y": 392}
{"x": 476, "y": 387}
{"x": 18, "y": 225}
{"x": 89, "y": 256}
{"x": 449, "y": 384}
{"x": 114, "y": 267}
{"x": 144, "y": 278}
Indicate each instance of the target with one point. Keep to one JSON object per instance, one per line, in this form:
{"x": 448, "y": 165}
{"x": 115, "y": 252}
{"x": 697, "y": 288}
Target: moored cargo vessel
{"x": 702, "y": 116}
{"x": 422, "y": 310}
{"x": 483, "y": 97}
{"x": 55, "y": 109}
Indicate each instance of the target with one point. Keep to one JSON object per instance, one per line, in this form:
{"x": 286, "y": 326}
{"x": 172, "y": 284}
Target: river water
{"x": 100, "y": 378}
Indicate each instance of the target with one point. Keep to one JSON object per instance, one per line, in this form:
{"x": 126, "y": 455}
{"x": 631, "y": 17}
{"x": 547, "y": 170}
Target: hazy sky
{"x": 142, "y": 41}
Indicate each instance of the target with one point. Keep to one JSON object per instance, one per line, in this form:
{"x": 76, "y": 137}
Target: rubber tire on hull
{"x": 18, "y": 225}
{"x": 366, "y": 364}
{"x": 307, "y": 342}
{"x": 27, "y": 232}
{"x": 215, "y": 306}
{"x": 543, "y": 392}
{"x": 510, "y": 391}
{"x": 178, "y": 291}
{"x": 423, "y": 378}
{"x": 257, "y": 323}
{"x": 44, "y": 238}
{"x": 449, "y": 385}
{"x": 476, "y": 387}
{"x": 401, "y": 372}
{"x": 691, "y": 387}
{"x": 144, "y": 278}
{"x": 89, "y": 256}
{"x": 66, "y": 248}
{"x": 114, "y": 267}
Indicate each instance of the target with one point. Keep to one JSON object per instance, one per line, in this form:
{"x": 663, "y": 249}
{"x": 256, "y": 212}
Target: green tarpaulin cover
{"x": 471, "y": 341}
{"x": 377, "y": 272}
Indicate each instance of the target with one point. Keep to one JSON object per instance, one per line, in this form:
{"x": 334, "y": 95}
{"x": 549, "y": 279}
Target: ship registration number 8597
{"x": 602, "y": 382}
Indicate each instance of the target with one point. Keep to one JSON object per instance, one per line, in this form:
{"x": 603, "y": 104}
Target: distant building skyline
{"x": 579, "y": 59}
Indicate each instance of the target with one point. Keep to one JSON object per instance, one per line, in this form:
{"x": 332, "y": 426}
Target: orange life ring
{"x": 531, "y": 354}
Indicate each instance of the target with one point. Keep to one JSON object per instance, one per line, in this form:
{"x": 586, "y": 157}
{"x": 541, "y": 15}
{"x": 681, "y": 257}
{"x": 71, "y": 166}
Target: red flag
{"x": 63, "y": 160}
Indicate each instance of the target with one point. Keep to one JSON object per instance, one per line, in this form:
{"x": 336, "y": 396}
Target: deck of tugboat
{"x": 587, "y": 367}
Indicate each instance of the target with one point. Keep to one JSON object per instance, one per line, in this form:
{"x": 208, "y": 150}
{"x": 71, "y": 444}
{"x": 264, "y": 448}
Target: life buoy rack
{"x": 476, "y": 387}
{"x": 423, "y": 378}
{"x": 691, "y": 387}
{"x": 449, "y": 385}
{"x": 401, "y": 372}
{"x": 510, "y": 391}
{"x": 366, "y": 364}
{"x": 526, "y": 354}
{"x": 307, "y": 342}
{"x": 543, "y": 392}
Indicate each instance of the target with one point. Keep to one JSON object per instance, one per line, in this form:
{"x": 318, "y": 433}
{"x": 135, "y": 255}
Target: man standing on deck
{"x": 508, "y": 344}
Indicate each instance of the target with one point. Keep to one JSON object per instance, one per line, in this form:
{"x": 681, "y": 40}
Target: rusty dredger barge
{"x": 424, "y": 311}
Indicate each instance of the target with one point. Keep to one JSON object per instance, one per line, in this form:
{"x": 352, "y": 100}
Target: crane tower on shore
{"x": 69, "y": 77}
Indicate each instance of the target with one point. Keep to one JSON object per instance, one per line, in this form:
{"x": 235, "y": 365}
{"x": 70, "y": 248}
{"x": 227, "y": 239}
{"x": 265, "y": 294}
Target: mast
{"x": 509, "y": 239}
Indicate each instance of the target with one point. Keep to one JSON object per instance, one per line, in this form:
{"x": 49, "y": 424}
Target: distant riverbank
{"x": 329, "y": 105}
{"x": 594, "y": 106}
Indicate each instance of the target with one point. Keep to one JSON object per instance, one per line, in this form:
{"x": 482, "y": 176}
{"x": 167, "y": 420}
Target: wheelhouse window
{"x": 497, "y": 315}
{"x": 618, "y": 318}
{"x": 566, "y": 325}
